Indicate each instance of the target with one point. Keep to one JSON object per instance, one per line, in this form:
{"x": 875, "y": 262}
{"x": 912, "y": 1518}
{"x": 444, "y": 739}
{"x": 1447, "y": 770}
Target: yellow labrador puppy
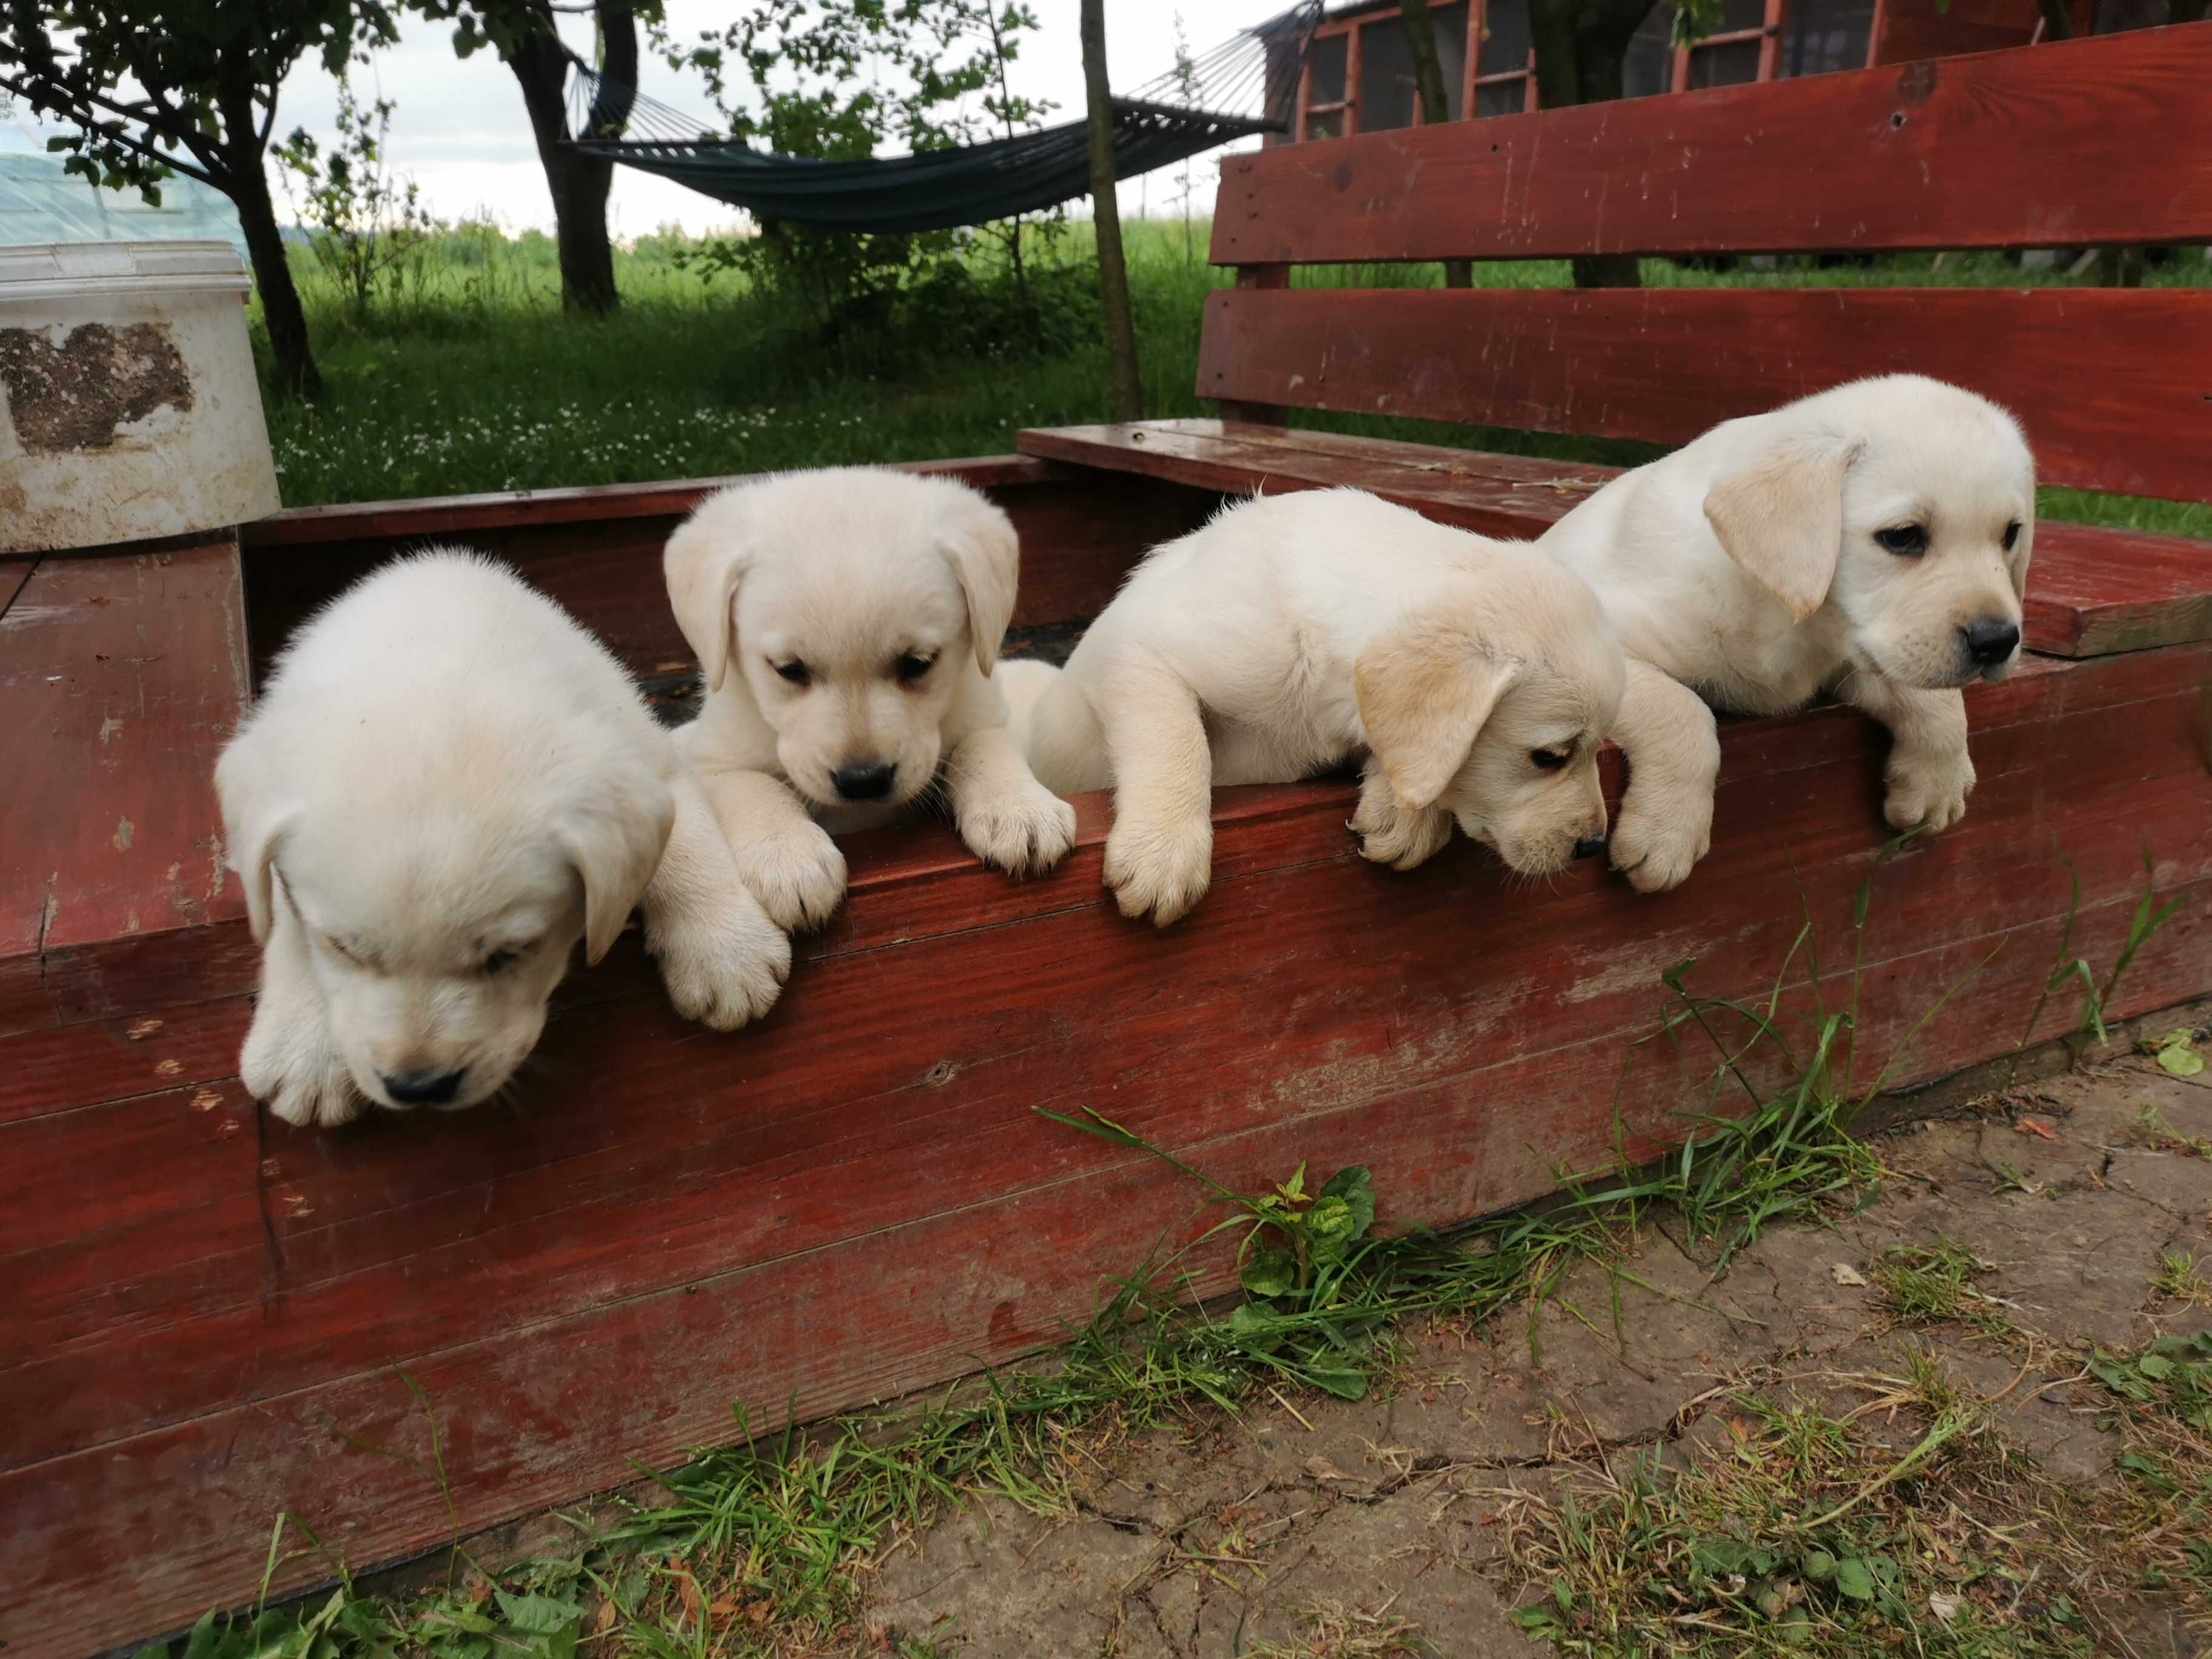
{"x": 1295, "y": 632}
{"x": 846, "y": 622}
{"x": 1871, "y": 542}
{"x": 444, "y": 785}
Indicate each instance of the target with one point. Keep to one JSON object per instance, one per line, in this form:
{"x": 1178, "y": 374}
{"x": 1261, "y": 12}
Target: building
{"x": 1358, "y": 72}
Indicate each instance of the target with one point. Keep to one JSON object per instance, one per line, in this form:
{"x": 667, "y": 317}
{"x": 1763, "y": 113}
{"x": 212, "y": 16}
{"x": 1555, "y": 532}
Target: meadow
{"x": 465, "y": 375}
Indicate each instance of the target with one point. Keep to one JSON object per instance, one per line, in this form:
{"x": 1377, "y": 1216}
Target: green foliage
{"x": 157, "y": 85}
{"x": 368, "y": 227}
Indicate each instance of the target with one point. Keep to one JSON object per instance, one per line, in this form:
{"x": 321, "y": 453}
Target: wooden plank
{"x": 123, "y": 673}
{"x": 533, "y": 1418}
{"x": 396, "y": 1238}
{"x": 2093, "y": 590}
{"x": 2110, "y": 383}
{"x": 1079, "y": 535}
{"x": 2089, "y": 141}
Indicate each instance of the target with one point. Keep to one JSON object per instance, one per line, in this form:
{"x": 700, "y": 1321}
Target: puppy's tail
{"x": 1053, "y": 722}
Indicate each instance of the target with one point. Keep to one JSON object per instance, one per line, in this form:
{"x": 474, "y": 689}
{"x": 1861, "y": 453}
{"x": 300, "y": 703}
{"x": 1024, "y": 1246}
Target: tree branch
{"x": 80, "y": 108}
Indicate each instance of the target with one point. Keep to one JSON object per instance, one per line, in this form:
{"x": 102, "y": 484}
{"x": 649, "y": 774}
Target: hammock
{"x": 1246, "y": 87}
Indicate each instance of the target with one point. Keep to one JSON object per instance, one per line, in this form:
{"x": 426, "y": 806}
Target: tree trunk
{"x": 1582, "y": 52}
{"x": 578, "y": 184}
{"x": 247, "y": 185}
{"x": 1128, "y": 403}
{"x": 1436, "y": 107}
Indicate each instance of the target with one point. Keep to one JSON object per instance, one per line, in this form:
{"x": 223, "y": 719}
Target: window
{"x": 1820, "y": 36}
{"x": 1360, "y": 75}
{"x": 1505, "y": 72}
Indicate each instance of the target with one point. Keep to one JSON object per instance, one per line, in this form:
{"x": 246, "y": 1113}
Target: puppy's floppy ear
{"x": 1779, "y": 514}
{"x": 703, "y": 564}
{"x": 255, "y": 816}
{"x": 1424, "y": 689}
{"x": 614, "y": 826}
{"x": 978, "y": 541}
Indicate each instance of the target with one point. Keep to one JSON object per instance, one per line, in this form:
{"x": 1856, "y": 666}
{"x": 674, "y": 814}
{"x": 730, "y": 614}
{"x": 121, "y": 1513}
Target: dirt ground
{"x": 1319, "y": 1527}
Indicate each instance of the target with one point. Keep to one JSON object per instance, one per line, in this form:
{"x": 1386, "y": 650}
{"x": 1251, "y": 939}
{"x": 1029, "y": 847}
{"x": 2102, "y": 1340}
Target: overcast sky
{"x": 460, "y": 131}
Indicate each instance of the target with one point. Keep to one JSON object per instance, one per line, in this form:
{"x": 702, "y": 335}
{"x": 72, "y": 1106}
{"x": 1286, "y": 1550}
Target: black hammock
{"x": 1246, "y": 87}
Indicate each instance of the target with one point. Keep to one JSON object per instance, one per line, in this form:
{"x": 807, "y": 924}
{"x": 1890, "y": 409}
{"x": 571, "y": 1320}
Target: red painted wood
{"x": 2090, "y": 141}
{"x": 123, "y": 674}
{"x": 60, "y": 1068}
{"x": 2092, "y": 591}
{"x": 528, "y": 1418}
{"x": 1079, "y": 535}
{"x": 2110, "y": 383}
{"x": 396, "y": 1238}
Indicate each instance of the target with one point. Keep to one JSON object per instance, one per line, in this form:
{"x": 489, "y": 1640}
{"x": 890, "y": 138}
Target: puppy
{"x": 1871, "y": 542}
{"x": 445, "y": 784}
{"x": 1295, "y": 632}
{"x": 846, "y": 622}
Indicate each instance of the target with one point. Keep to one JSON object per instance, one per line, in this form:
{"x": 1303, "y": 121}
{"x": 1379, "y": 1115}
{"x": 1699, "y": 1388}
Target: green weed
{"x": 1935, "y": 1285}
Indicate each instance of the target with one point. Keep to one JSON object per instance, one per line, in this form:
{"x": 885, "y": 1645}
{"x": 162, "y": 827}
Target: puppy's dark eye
{"x": 2011, "y": 535}
{"x": 913, "y": 668}
{"x": 1550, "y": 760}
{"x": 1907, "y": 541}
{"x": 796, "y": 673}
{"x": 498, "y": 963}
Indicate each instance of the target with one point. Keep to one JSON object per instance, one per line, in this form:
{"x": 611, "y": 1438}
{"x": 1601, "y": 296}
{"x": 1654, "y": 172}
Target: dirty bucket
{"x": 128, "y": 405}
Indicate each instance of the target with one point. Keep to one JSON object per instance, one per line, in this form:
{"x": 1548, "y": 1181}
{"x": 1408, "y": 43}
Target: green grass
{"x": 469, "y": 377}
{"x": 1936, "y": 1286}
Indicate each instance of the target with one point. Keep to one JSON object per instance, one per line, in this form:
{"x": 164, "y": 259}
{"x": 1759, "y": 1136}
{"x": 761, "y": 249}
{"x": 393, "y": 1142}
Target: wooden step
{"x": 2092, "y": 591}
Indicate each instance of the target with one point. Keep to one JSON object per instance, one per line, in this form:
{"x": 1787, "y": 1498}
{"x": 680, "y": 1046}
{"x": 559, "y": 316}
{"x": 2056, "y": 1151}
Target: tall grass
{"x": 468, "y": 376}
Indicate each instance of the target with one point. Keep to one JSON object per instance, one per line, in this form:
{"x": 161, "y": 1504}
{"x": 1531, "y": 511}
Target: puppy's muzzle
{"x": 1589, "y": 847}
{"x": 864, "y": 780}
{"x": 1990, "y": 642}
{"x": 423, "y": 1088}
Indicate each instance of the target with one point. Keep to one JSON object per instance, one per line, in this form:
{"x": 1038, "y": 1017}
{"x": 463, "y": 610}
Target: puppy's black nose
{"x": 425, "y": 1088}
{"x": 1990, "y": 640}
{"x": 869, "y": 781}
{"x": 1589, "y": 847}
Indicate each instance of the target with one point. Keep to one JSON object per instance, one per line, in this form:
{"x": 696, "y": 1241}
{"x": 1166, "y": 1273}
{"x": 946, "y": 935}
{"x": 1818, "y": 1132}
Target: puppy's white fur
{"x": 445, "y": 784}
{"x": 1293, "y": 633}
{"x": 812, "y": 599}
{"x": 1747, "y": 566}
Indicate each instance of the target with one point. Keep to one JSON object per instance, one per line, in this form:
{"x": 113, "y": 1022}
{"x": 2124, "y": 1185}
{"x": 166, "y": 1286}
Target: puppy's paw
{"x": 797, "y": 875}
{"x": 1927, "y": 788}
{"x": 1657, "y": 848}
{"x": 1024, "y": 831}
{"x": 1159, "y": 869}
{"x": 723, "y": 962}
{"x": 1390, "y": 835}
{"x": 288, "y": 1066}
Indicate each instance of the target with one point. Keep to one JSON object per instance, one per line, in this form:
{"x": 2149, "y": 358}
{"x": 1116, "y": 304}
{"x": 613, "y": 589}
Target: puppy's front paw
{"x": 1159, "y": 869}
{"x": 1022, "y": 831}
{"x": 288, "y": 1066}
{"x": 797, "y": 875}
{"x": 1656, "y": 847}
{"x": 1390, "y": 835}
{"x": 1927, "y": 788}
{"x": 724, "y": 961}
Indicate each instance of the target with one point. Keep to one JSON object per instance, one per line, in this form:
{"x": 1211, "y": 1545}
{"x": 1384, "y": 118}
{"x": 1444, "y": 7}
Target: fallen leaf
{"x": 1321, "y": 1470}
{"x": 1844, "y": 1273}
{"x": 603, "y": 1619}
{"x": 1945, "y": 1607}
{"x": 2028, "y": 1126}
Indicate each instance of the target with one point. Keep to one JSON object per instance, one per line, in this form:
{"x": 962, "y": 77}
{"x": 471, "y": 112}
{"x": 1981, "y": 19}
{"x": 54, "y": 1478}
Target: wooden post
{"x": 1128, "y": 402}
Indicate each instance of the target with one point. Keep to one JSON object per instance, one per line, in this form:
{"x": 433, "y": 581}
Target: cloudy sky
{"x": 460, "y": 131}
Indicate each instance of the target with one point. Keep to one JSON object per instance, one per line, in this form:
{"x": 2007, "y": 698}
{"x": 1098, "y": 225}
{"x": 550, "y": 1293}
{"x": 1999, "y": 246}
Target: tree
{"x": 156, "y": 87}
{"x": 1129, "y": 396}
{"x": 1582, "y": 51}
{"x": 369, "y": 223}
{"x": 522, "y": 32}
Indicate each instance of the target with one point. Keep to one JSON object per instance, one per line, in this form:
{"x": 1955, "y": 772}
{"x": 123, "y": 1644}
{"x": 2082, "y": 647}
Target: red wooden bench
{"x": 212, "y": 1318}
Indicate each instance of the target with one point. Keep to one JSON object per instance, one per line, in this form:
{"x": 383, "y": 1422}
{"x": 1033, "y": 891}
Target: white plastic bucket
{"x": 128, "y": 405}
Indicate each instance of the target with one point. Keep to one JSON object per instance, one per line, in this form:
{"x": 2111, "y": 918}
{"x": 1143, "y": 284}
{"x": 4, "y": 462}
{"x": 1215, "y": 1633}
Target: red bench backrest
{"x": 2104, "y": 140}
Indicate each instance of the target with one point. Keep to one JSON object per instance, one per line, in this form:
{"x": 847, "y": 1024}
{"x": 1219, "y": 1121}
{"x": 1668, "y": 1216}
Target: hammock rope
{"x": 1245, "y": 86}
